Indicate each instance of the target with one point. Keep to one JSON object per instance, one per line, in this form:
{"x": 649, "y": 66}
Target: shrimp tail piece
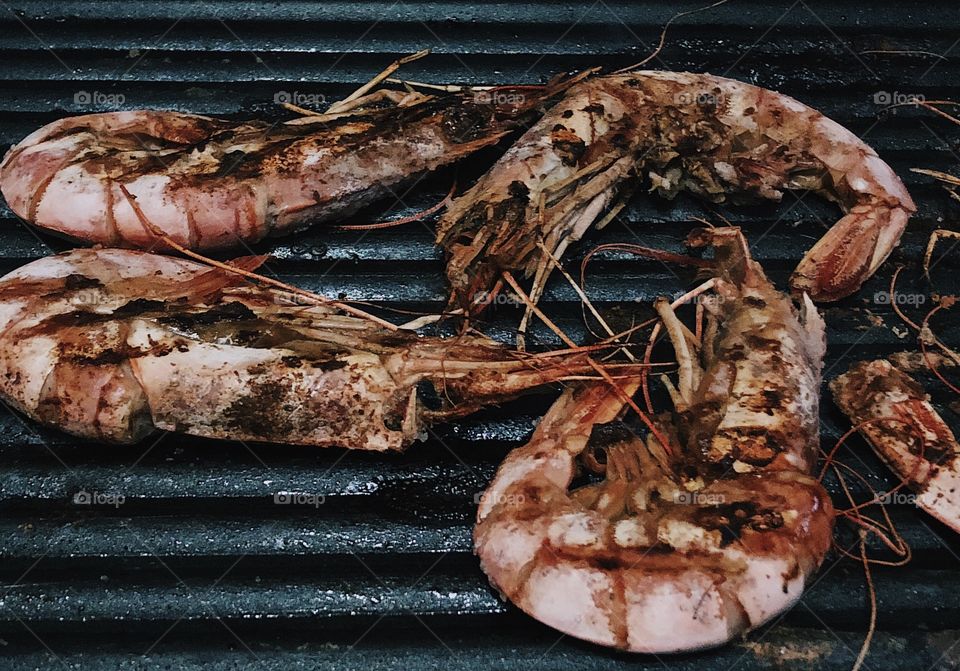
{"x": 895, "y": 415}
{"x": 852, "y": 250}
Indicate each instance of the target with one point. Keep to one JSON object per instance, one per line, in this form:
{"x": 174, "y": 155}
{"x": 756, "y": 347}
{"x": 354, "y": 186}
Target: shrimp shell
{"x": 113, "y": 344}
{"x": 717, "y": 138}
{"x": 914, "y": 442}
{"x": 683, "y": 552}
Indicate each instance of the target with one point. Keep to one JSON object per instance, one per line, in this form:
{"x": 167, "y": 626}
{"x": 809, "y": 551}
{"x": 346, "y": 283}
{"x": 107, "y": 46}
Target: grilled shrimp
{"x": 714, "y": 137}
{"x": 685, "y": 548}
{"x": 209, "y": 183}
{"x": 112, "y": 344}
{"x": 894, "y": 414}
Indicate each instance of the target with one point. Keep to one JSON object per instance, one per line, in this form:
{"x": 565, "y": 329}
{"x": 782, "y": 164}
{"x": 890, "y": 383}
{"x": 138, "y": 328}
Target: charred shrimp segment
{"x": 686, "y": 548}
{"x": 211, "y": 183}
{"x": 894, "y": 414}
{"x": 112, "y": 344}
{"x": 716, "y": 138}
{"x": 752, "y": 400}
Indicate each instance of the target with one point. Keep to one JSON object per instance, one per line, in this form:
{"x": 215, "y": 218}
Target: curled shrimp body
{"x": 895, "y": 415}
{"x": 209, "y": 183}
{"x": 688, "y": 548}
{"x": 114, "y": 344}
{"x": 717, "y": 138}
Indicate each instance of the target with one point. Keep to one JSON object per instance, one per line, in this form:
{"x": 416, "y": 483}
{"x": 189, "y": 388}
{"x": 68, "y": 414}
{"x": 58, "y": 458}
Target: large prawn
{"x": 686, "y": 545}
{"x": 714, "y": 137}
{"x": 113, "y": 344}
{"x": 209, "y": 183}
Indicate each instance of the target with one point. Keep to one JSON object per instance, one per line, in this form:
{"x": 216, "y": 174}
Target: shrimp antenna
{"x": 663, "y": 35}
{"x": 665, "y": 444}
{"x": 894, "y": 541}
{"x": 932, "y": 106}
{"x": 349, "y": 103}
{"x": 585, "y": 301}
{"x": 417, "y": 216}
{"x": 386, "y": 72}
{"x": 904, "y": 52}
{"x": 925, "y": 334}
{"x": 648, "y": 252}
{"x": 937, "y": 235}
{"x": 309, "y": 295}
{"x": 894, "y": 302}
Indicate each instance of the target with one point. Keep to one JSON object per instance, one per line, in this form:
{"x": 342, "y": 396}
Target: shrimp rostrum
{"x": 717, "y": 138}
{"x": 210, "y": 183}
{"x": 688, "y": 544}
{"x": 113, "y": 344}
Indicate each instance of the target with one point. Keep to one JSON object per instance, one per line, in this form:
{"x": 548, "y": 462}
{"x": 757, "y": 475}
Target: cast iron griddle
{"x": 197, "y": 565}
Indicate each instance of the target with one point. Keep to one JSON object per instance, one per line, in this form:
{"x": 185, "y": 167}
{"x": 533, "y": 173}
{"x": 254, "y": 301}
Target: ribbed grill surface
{"x": 200, "y": 568}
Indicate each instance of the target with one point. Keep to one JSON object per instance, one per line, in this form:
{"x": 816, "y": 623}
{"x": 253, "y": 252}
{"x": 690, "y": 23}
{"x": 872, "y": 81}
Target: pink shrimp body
{"x": 717, "y": 138}
{"x": 210, "y": 183}
{"x": 113, "y": 344}
{"x": 688, "y": 549}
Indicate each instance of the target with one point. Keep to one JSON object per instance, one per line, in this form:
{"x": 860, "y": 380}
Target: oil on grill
{"x": 185, "y": 553}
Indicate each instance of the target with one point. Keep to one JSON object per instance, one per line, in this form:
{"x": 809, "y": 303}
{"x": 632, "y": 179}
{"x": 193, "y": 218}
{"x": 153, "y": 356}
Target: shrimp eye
{"x": 427, "y": 394}
{"x": 393, "y": 422}
{"x": 598, "y": 453}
